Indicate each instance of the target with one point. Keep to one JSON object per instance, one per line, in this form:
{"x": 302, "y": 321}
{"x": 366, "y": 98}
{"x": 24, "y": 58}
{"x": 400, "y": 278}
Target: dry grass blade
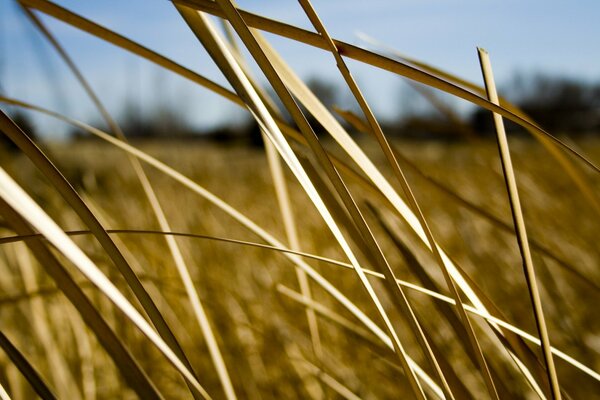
{"x": 18, "y": 200}
{"x": 28, "y": 371}
{"x": 517, "y": 214}
{"x": 281, "y": 190}
{"x": 246, "y": 91}
{"x": 121, "y": 356}
{"x": 224, "y": 58}
{"x": 391, "y": 158}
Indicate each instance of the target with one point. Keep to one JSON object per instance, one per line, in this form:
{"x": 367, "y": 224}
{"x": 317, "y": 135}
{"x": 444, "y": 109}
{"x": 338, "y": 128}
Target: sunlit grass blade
{"x": 62, "y": 377}
{"x": 18, "y": 200}
{"x": 121, "y": 356}
{"x": 284, "y": 201}
{"x": 393, "y": 162}
{"x": 517, "y": 214}
{"x": 292, "y": 107}
{"x": 177, "y": 256}
{"x": 28, "y": 371}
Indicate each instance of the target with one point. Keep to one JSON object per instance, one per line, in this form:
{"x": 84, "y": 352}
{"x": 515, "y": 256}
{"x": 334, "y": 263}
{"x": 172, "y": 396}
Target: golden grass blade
{"x": 3, "y": 394}
{"x": 325, "y": 162}
{"x": 391, "y": 158}
{"x": 519, "y": 222}
{"x": 413, "y": 287}
{"x": 29, "y": 210}
{"x": 397, "y": 295}
{"x": 281, "y": 190}
{"x": 63, "y": 379}
{"x": 28, "y": 371}
{"x": 121, "y": 356}
{"x": 178, "y": 259}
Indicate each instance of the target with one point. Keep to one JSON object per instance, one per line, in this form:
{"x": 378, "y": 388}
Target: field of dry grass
{"x": 261, "y": 331}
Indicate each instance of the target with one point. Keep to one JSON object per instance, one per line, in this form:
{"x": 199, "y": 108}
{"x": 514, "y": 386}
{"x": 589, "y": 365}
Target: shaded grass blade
{"x": 28, "y": 371}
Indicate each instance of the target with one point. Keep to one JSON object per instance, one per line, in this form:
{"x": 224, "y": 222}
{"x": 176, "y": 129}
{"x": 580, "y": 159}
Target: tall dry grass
{"x": 319, "y": 267}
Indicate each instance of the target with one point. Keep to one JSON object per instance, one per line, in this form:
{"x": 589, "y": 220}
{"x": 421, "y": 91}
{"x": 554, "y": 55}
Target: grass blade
{"x": 391, "y": 158}
{"x": 121, "y": 356}
{"x": 29, "y": 210}
{"x": 519, "y": 222}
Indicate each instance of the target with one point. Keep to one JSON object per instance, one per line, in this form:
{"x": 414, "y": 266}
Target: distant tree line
{"x": 558, "y": 104}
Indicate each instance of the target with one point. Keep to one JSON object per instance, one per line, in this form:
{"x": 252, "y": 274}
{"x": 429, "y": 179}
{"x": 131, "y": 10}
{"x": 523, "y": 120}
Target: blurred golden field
{"x": 261, "y": 331}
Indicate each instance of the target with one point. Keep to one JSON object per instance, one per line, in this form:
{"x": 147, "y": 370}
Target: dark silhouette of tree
{"x": 558, "y": 104}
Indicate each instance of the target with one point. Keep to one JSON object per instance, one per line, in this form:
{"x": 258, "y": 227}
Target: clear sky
{"x": 556, "y": 37}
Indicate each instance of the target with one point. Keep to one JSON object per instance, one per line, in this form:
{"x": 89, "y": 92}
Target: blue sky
{"x": 556, "y": 37}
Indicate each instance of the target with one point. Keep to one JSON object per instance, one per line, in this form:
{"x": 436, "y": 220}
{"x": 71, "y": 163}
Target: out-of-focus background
{"x": 546, "y": 62}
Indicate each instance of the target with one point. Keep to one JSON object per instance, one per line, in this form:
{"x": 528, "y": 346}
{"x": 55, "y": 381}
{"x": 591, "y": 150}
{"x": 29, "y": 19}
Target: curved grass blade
{"x": 391, "y": 158}
{"x": 245, "y": 90}
{"x": 122, "y": 358}
{"x": 19, "y": 201}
